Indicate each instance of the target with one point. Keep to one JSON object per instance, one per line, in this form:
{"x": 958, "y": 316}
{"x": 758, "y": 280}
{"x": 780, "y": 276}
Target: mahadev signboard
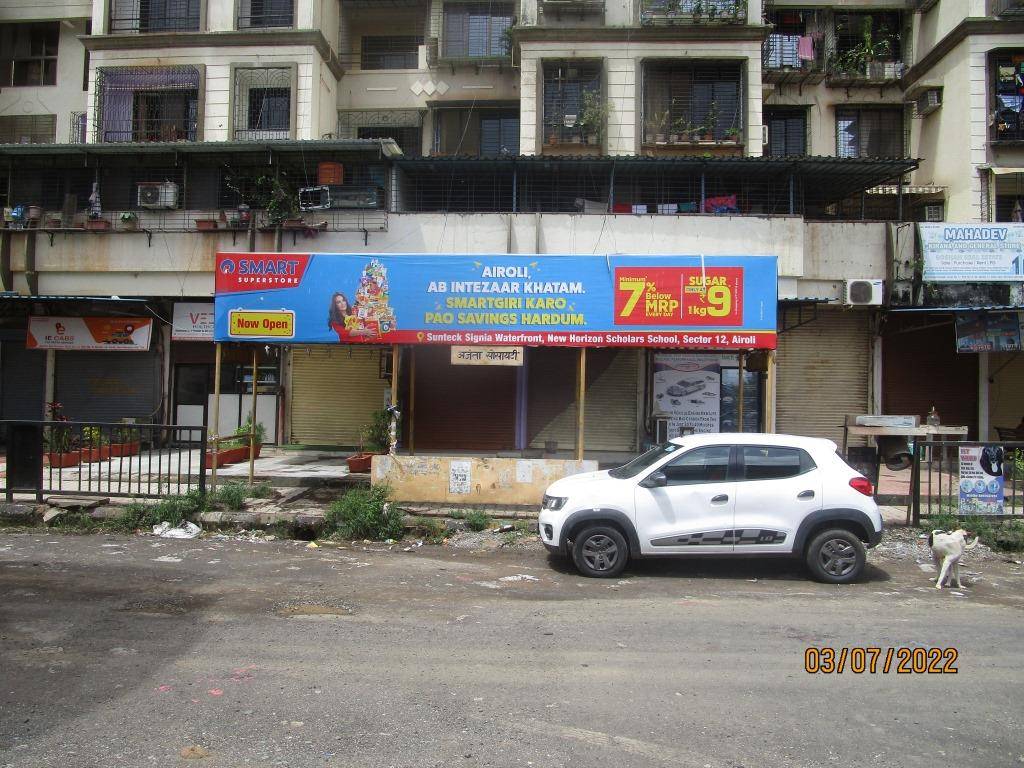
{"x": 713, "y": 302}
{"x": 958, "y": 253}
{"x": 981, "y": 479}
{"x": 192, "y": 322}
{"x": 102, "y": 334}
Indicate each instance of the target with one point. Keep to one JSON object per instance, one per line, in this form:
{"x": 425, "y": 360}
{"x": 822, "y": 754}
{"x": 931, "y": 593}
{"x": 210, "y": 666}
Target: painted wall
{"x": 34, "y": 10}
{"x": 491, "y": 480}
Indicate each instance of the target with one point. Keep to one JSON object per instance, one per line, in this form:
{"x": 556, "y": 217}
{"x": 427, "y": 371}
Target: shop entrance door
{"x": 462, "y": 407}
{"x": 191, "y": 387}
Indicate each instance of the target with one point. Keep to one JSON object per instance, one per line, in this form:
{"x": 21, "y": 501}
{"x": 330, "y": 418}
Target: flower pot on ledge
{"x": 206, "y": 225}
{"x": 360, "y": 462}
{"x": 124, "y": 449}
{"x": 63, "y": 460}
{"x": 232, "y": 455}
{"x": 99, "y": 453}
{"x": 97, "y": 225}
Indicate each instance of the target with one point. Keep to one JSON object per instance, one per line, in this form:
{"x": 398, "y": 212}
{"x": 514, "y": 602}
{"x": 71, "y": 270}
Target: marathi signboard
{"x": 106, "y": 334}
{"x": 981, "y": 479}
{"x": 487, "y": 356}
{"x": 192, "y": 322}
{"x": 721, "y": 302}
{"x": 989, "y": 331}
{"x": 960, "y": 253}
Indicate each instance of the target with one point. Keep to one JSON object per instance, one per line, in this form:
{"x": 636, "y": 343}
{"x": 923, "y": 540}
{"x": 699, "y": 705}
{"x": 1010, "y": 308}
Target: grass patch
{"x": 232, "y": 495}
{"x": 364, "y": 513}
{"x": 430, "y": 529}
{"x": 478, "y": 520}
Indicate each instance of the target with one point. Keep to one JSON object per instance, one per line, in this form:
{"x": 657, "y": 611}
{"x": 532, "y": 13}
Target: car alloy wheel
{"x": 600, "y": 552}
{"x": 838, "y": 557}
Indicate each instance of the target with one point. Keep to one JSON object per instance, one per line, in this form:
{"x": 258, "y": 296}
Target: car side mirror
{"x": 655, "y": 480}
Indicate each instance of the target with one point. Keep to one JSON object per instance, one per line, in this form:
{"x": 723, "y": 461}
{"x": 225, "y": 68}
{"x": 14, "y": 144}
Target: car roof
{"x": 816, "y": 444}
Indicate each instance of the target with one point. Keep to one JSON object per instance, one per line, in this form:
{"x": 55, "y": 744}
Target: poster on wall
{"x": 958, "y": 253}
{"x": 192, "y": 322}
{"x": 981, "y": 480}
{"x": 989, "y": 331}
{"x": 99, "y": 334}
{"x": 713, "y": 302}
{"x": 687, "y": 389}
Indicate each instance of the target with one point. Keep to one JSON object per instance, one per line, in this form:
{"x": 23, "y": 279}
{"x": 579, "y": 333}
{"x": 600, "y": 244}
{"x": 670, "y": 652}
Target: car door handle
{"x": 805, "y": 495}
{"x": 719, "y": 499}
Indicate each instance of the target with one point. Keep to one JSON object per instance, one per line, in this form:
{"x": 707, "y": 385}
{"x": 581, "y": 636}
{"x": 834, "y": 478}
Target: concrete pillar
{"x": 49, "y": 379}
{"x": 983, "y": 428}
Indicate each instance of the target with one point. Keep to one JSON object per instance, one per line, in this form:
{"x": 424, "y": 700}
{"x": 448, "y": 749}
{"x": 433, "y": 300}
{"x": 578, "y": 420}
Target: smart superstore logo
{"x": 259, "y": 271}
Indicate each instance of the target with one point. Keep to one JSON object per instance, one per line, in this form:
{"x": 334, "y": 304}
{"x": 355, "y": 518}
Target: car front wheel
{"x": 600, "y": 552}
{"x": 836, "y": 556}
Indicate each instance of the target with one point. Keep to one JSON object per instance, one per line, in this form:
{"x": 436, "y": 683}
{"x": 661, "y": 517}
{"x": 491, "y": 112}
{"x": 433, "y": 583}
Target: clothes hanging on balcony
{"x": 805, "y": 48}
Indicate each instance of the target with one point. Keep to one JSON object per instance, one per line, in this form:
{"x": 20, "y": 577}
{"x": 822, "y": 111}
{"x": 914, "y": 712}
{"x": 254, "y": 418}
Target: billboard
{"x": 965, "y": 253}
{"x": 720, "y": 302}
{"x": 104, "y": 334}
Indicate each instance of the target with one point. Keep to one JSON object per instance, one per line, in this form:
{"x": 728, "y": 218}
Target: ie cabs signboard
{"x": 710, "y": 302}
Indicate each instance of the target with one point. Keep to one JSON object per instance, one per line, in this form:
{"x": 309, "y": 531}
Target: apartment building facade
{"x": 144, "y": 137}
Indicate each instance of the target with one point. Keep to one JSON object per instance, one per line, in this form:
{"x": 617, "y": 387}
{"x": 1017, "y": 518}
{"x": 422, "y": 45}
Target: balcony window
{"x": 1008, "y": 83}
{"x": 28, "y": 129}
{"x": 688, "y": 102}
{"x": 873, "y": 132}
{"x": 263, "y": 103}
{"x": 868, "y": 45}
{"x": 261, "y": 14}
{"x": 28, "y": 54}
{"x": 405, "y": 126}
{"x": 132, "y": 16}
{"x": 574, "y": 109}
{"x": 669, "y": 12}
{"x": 147, "y": 103}
{"x": 479, "y": 132}
{"x": 787, "y": 132}
{"x": 394, "y": 52}
{"x": 477, "y": 30}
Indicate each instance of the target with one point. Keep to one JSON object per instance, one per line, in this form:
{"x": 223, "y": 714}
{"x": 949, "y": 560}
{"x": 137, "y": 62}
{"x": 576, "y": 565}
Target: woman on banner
{"x": 340, "y": 310}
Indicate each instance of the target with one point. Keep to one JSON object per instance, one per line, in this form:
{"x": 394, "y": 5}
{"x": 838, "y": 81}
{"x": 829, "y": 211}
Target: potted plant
{"x": 124, "y": 442}
{"x": 680, "y": 130}
{"x": 129, "y": 221}
{"x": 93, "y": 445}
{"x": 376, "y": 437}
{"x": 660, "y": 123}
{"x": 205, "y": 225}
{"x": 593, "y": 116}
{"x": 733, "y": 134}
{"x": 711, "y": 122}
{"x": 236, "y": 448}
{"x": 53, "y": 222}
{"x": 97, "y": 224}
{"x": 698, "y": 10}
{"x": 61, "y": 445}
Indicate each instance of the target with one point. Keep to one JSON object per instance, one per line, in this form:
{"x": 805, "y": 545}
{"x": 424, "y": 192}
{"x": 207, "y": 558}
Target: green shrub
{"x": 364, "y": 513}
{"x": 430, "y": 529}
{"x": 232, "y": 495}
{"x": 478, "y": 520}
{"x": 261, "y": 491}
{"x": 172, "y": 509}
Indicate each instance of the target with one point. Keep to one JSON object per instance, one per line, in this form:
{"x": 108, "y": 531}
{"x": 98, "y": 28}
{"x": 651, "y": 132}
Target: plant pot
{"x": 62, "y": 460}
{"x": 359, "y": 462}
{"x": 659, "y": 138}
{"x": 33, "y": 213}
{"x": 131, "y": 225}
{"x": 232, "y": 455}
{"x": 99, "y": 453}
{"x": 124, "y": 449}
{"x": 97, "y": 225}
{"x": 205, "y": 225}
{"x": 673, "y": 138}
{"x": 53, "y": 222}
{"x": 708, "y": 137}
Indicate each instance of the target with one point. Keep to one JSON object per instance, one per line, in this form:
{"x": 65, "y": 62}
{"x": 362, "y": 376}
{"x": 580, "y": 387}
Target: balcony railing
{"x": 1007, "y": 126}
{"x": 671, "y": 12}
{"x": 843, "y": 71}
{"x": 77, "y": 128}
{"x": 142, "y": 16}
{"x": 141, "y": 104}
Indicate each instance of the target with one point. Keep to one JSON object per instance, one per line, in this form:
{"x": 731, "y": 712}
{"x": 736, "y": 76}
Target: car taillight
{"x": 862, "y": 485}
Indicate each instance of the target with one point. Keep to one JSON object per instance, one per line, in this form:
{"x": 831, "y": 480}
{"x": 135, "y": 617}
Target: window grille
{"x": 1008, "y": 96}
{"x": 77, "y": 128}
{"x": 260, "y": 14}
{"x": 28, "y": 54}
{"x": 137, "y": 104}
{"x": 787, "y": 132}
{"x": 695, "y": 100}
{"x": 394, "y": 52}
{"x": 478, "y": 132}
{"x": 671, "y": 12}
{"x": 28, "y": 129}
{"x": 134, "y": 16}
{"x": 573, "y": 103}
{"x": 262, "y": 103}
{"x": 869, "y": 132}
{"x": 476, "y": 31}
{"x": 402, "y": 125}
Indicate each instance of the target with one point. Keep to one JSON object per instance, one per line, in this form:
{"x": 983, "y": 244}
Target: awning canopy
{"x": 382, "y": 148}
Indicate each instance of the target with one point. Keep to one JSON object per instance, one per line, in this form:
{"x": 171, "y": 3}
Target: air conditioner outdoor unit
{"x": 864, "y": 293}
{"x": 928, "y": 101}
{"x": 934, "y": 212}
{"x": 158, "y": 194}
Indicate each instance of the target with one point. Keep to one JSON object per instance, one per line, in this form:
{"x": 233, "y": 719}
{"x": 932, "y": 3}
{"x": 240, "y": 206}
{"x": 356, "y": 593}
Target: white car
{"x": 718, "y": 494}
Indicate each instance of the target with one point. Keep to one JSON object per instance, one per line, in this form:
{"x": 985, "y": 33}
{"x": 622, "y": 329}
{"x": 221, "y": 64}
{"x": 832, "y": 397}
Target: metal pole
{"x": 412, "y": 399}
{"x": 739, "y": 419}
{"x": 252, "y": 412}
{"x": 215, "y": 418}
{"x": 396, "y": 357}
{"x": 581, "y": 386}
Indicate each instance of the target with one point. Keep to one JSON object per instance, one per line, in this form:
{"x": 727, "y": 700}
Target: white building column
{"x": 49, "y": 381}
{"x": 983, "y": 428}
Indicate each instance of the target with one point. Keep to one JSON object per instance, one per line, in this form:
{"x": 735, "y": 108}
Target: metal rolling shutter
{"x": 23, "y": 384}
{"x": 109, "y": 386}
{"x": 823, "y": 374}
{"x": 334, "y": 391}
{"x": 611, "y": 398}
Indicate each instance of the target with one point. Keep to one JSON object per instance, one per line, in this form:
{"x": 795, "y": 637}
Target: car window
{"x": 644, "y": 460}
{"x": 763, "y": 462}
{"x": 709, "y": 464}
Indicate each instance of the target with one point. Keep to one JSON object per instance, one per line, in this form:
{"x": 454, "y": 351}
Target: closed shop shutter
{"x": 824, "y": 370}
{"x": 1006, "y": 392}
{"x": 334, "y": 392}
{"x": 23, "y": 384}
{"x": 610, "y": 408}
{"x": 109, "y": 386}
{"x": 463, "y": 407}
{"x": 921, "y": 368}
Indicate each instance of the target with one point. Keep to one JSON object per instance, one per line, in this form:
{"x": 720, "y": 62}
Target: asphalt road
{"x": 124, "y": 651}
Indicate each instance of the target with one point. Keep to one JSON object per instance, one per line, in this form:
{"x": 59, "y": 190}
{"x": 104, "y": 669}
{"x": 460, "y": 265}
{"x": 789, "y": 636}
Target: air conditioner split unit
{"x": 160, "y": 194}
{"x": 864, "y": 293}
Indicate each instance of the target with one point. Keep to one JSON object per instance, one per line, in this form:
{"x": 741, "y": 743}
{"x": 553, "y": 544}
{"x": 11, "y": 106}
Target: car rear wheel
{"x": 600, "y": 552}
{"x": 836, "y": 556}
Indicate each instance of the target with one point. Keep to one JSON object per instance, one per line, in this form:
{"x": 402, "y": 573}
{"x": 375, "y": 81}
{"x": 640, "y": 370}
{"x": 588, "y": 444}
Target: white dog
{"x": 947, "y": 549}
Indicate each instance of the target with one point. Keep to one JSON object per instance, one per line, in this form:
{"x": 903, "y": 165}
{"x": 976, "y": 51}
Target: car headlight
{"x": 554, "y": 503}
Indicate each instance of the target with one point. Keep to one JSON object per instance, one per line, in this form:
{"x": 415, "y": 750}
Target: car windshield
{"x": 644, "y": 460}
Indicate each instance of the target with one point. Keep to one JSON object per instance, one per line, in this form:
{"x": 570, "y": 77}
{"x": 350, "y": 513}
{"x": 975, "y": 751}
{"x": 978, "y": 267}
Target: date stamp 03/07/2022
{"x": 875, "y": 659}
